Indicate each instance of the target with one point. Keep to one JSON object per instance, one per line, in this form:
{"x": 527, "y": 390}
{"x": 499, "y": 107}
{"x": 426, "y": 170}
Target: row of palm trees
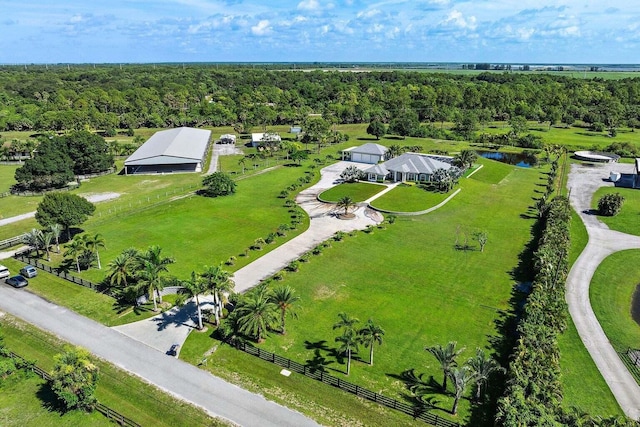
{"x": 212, "y": 280}
{"x": 478, "y": 368}
{"x": 351, "y": 337}
{"x": 84, "y": 249}
{"x": 43, "y": 239}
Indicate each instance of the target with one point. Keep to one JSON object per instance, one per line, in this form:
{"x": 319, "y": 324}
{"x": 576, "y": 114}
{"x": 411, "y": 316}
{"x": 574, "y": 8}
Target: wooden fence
{"x": 12, "y": 241}
{"x": 103, "y": 409}
{"x": 417, "y": 412}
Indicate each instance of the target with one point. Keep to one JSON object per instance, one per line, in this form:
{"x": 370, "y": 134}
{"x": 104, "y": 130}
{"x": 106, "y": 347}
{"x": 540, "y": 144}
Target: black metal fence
{"x": 103, "y": 409}
{"x": 631, "y": 359}
{"x": 417, "y": 412}
{"x": 24, "y": 257}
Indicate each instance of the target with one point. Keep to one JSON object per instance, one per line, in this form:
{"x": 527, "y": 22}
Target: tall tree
{"x": 482, "y": 367}
{"x": 217, "y": 281}
{"x": 32, "y": 239}
{"x": 56, "y": 230}
{"x": 284, "y": 299}
{"x": 65, "y": 209}
{"x": 460, "y": 377}
{"x": 446, "y": 357}
{"x": 45, "y": 239}
{"x": 376, "y": 128}
{"x": 348, "y": 344}
{"x": 316, "y": 131}
{"x": 345, "y": 322}
{"x": 193, "y": 288}
{"x": 75, "y": 248}
{"x": 371, "y": 334}
{"x": 93, "y": 243}
{"x": 152, "y": 273}
{"x": 218, "y": 184}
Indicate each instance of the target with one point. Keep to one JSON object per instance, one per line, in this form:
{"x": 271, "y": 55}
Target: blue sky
{"x": 522, "y": 31}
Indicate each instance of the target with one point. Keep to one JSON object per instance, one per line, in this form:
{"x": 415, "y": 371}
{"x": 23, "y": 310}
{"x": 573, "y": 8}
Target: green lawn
{"x": 97, "y": 306}
{"x": 27, "y": 400}
{"x": 415, "y": 284}
{"x": 7, "y": 179}
{"x": 325, "y": 404}
{"x": 628, "y": 220}
{"x": 123, "y": 392}
{"x": 410, "y": 198}
{"x": 582, "y": 383}
{"x": 611, "y": 292}
{"x": 358, "y": 191}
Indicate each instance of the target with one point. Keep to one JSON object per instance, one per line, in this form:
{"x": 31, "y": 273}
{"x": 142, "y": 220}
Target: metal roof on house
{"x": 410, "y": 163}
{"x": 173, "y": 146}
{"x": 369, "y": 148}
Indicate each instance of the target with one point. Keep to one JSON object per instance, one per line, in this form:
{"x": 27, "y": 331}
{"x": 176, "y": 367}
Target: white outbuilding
{"x": 170, "y": 151}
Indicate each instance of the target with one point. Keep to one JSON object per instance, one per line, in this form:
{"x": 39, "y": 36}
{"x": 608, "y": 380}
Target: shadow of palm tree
{"x": 318, "y": 363}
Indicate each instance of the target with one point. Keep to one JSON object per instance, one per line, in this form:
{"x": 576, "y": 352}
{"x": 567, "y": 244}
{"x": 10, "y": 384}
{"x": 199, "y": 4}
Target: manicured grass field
{"x": 123, "y": 392}
{"x": 7, "y": 179}
{"x": 198, "y": 231}
{"x": 410, "y": 198}
{"x": 611, "y": 292}
{"x": 416, "y": 285}
{"x": 29, "y": 401}
{"x": 582, "y": 384}
{"x": 325, "y": 404}
{"x": 97, "y": 306}
{"x": 358, "y": 191}
{"x": 628, "y": 220}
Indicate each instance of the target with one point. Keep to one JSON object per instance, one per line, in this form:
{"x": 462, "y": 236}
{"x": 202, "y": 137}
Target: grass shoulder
{"x": 628, "y": 220}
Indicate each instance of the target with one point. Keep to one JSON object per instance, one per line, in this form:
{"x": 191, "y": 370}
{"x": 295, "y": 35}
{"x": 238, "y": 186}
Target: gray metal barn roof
{"x": 369, "y": 148}
{"x": 173, "y": 146}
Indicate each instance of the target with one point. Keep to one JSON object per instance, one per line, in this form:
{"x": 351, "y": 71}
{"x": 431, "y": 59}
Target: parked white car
{"x": 4, "y": 272}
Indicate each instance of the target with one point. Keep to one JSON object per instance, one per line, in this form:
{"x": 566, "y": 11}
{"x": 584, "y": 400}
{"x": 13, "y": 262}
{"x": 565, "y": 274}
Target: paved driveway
{"x": 583, "y": 182}
{"x": 172, "y": 375}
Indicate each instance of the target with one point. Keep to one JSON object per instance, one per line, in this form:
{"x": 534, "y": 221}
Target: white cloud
{"x": 309, "y": 5}
{"x": 456, "y": 18}
{"x": 262, "y": 28}
{"x": 368, "y": 13}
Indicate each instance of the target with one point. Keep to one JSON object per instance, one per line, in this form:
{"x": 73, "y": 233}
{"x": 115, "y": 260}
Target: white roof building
{"x": 367, "y": 153}
{"x": 174, "y": 150}
{"x": 409, "y": 167}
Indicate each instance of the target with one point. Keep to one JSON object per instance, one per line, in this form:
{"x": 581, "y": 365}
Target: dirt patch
{"x": 347, "y": 216}
{"x": 100, "y": 197}
{"x": 323, "y": 292}
{"x": 635, "y": 305}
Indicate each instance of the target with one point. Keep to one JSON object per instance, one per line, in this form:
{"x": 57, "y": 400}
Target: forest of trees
{"x": 110, "y": 98}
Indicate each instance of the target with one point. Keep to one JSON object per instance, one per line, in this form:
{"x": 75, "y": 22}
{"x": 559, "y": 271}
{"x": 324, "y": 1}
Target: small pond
{"x": 635, "y": 305}
{"x": 518, "y": 159}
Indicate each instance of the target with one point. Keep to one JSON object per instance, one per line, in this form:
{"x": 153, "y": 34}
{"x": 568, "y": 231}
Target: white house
{"x": 367, "y": 153}
{"x": 415, "y": 167}
{"x": 174, "y": 150}
{"x": 258, "y": 138}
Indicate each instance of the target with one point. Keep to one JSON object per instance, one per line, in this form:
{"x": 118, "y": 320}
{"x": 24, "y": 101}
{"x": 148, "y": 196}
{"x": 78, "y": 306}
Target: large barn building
{"x": 170, "y": 151}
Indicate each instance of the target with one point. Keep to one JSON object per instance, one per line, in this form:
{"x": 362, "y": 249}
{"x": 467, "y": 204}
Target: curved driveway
{"x": 185, "y": 381}
{"x": 583, "y": 182}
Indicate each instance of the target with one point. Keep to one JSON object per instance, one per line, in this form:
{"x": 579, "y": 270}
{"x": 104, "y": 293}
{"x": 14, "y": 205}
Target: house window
{"x": 411, "y": 177}
{"x": 423, "y": 177}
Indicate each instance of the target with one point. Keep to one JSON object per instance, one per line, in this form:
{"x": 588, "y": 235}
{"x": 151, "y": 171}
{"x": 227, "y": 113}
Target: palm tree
{"x": 369, "y": 335}
{"x": 482, "y": 367}
{"x": 153, "y": 264}
{"x": 256, "y": 315}
{"x": 348, "y": 343}
{"x": 45, "y": 240}
{"x": 346, "y": 203}
{"x": 461, "y": 377}
{"x": 193, "y": 288}
{"x": 32, "y": 239}
{"x": 446, "y": 356}
{"x": 346, "y": 322}
{"x": 284, "y": 299}
{"x": 92, "y": 244}
{"x": 75, "y": 248}
{"x": 121, "y": 269}
{"x": 218, "y": 280}
{"x": 56, "y": 231}
{"x": 465, "y": 159}
{"x": 242, "y": 162}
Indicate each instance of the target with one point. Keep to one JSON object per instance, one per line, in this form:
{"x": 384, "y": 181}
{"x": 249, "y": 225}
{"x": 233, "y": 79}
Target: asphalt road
{"x": 174, "y": 376}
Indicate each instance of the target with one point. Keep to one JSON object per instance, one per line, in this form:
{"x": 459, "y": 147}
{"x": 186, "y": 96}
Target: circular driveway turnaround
{"x": 583, "y": 182}
{"x": 185, "y": 381}
{"x": 322, "y": 225}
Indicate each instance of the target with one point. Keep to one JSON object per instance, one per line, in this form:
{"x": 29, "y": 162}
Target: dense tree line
{"x": 147, "y": 96}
